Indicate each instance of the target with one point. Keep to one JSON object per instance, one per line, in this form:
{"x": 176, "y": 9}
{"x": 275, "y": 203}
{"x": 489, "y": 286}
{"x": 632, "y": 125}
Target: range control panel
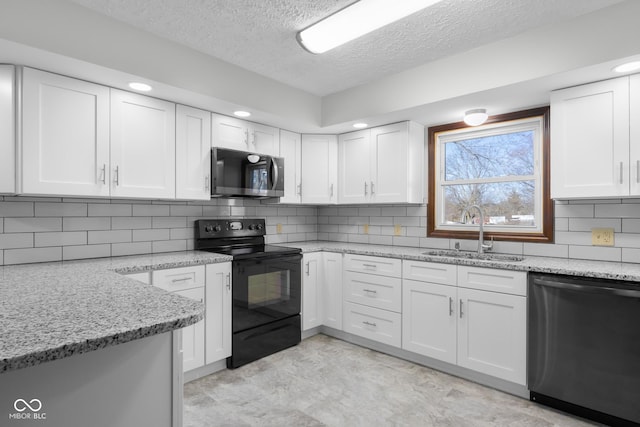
{"x": 217, "y": 228}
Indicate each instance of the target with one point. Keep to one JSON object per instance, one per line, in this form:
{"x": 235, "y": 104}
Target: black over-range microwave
{"x": 242, "y": 173}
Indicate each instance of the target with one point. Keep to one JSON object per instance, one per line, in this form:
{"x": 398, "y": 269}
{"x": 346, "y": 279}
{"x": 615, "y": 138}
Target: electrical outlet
{"x": 365, "y": 228}
{"x": 397, "y": 230}
{"x": 602, "y": 236}
{"x": 279, "y": 228}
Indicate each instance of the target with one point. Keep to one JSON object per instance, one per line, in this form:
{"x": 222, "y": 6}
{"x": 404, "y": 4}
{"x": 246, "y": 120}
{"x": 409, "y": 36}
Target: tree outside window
{"x": 501, "y": 166}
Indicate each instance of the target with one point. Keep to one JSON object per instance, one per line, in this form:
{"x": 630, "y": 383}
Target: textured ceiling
{"x": 260, "y": 35}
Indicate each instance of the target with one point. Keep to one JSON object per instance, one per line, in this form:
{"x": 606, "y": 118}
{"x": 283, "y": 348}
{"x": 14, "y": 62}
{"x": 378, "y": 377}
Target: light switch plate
{"x": 602, "y": 236}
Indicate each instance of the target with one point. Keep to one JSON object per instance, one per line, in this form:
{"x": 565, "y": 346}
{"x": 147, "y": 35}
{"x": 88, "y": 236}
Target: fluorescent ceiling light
{"x": 360, "y": 125}
{"x": 357, "y": 20}
{"x": 476, "y": 117}
{"x": 241, "y": 113}
{"x": 142, "y": 87}
{"x": 629, "y": 66}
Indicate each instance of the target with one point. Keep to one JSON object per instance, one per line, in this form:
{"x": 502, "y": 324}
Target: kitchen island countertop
{"x": 50, "y": 311}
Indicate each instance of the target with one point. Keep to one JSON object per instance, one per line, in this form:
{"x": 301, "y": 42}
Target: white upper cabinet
{"x": 143, "y": 143}
{"x": 382, "y": 165}
{"x": 590, "y": 150}
{"x": 236, "y": 134}
{"x": 65, "y": 136}
{"x": 290, "y": 150}
{"x": 264, "y": 139}
{"x": 634, "y": 134}
{"x": 354, "y": 167}
{"x": 228, "y": 132}
{"x": 319, "y": 169}
{"x": 7, "y": 130}
{"x": 193, "y": 158}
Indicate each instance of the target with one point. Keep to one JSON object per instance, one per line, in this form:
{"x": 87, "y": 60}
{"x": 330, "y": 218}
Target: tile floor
{"x": 327, "y": 382}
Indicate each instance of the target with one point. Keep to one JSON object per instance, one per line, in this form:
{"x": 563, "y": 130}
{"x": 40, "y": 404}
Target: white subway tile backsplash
{"x": 110, "y": 210}
{"x": 130, "y": 222}
{"x": 618, "y": 211}
{"x": 631, "y": 255}
{"x": 16, "y": 209}
{"x": 151, "y": 235}
{"x": 16, "y": 240}
{"x": 627, "y": 240}
{"x": 406, "y": 241}
{"x": 151, "y": 210}
{"x": 574, "y": 211}
{"x": 393, "y": 211}
{"x": 60, "y": 209}
{"x": 169, "y": 222}
{"x": 64, "y": 238}
{"x": 24, "y": 256}
{"x": 181, "y": 233}
{"x": 381, "y": 220}
{"x": 186, "y": 210}
{"x": 32, "y": 225}
{"x": 586, "y": 224}
{"x": 86, "y": 251}
{"x": 168, "y": 246}
{"x": 109, "y": 236}
{"x": 598, "y": 253}
{"x": 380, "y": 240}
{"x": 573, "y": 238}
{"x": 544, "y": 249}
{"x": 135, "y": 248}
{"x": 86, "y": 224}
{"x": 358, "y": 238}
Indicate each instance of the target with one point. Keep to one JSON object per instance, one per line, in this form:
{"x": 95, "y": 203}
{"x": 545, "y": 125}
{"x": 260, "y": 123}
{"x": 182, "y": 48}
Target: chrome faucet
{"x": 481, "y": 245}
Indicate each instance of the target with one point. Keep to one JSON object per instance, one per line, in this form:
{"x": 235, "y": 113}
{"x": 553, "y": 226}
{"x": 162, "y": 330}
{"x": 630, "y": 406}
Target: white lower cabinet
{"x": 322, "y": 290}
{"x": 218, "y": 312}
{"x": 373, "y": 323}
{"x": 459, "y": 321}
{"x": 7, "y": 130}
{"x": 193, "y": 335}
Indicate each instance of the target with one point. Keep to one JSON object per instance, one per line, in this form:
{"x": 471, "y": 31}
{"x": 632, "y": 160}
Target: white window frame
{"x": 535, "y": 124}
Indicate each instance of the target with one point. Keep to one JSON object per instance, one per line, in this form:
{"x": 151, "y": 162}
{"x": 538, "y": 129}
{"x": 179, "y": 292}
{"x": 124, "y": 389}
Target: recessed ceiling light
{"x": 476, "y": 116}
{"x": 241, "y": 113}
{"x": 360, "y": 125}
{"x": 629, "y": 66}
{"x": 356, "y": 20}
{"x": 142, "y": 87}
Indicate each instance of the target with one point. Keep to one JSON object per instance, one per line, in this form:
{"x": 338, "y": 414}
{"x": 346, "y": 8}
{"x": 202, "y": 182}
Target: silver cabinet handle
{"x": 116, "y": 177}
{"x": 246, "y": 137}
{"x": 369, "y": 323}
{"x": 621, "y": 173}
{"x": 365, "y": 188}
{"x": 184, "y": 279}
{"x": 307, "y": 268}
{"x": 370, "y": 266}
{"x": 331, "y": 191}
{"x": 299, "y": 189}
{"x": 450, "y": 306}
{"x": 228, "y": 281}
{"x": 206, "y": 182}
{"x": 461, "y": 309}
{"x": 370, "y": 291}
{"x": 372, "y": 189}
{"x": 638, "y": 171}
{"x": 104, "y": 173}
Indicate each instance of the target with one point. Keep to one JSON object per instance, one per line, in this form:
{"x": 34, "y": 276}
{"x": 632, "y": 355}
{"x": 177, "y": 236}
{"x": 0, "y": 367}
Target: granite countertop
{"x": 572, "y": 267}
{"x": 50, "y": 311}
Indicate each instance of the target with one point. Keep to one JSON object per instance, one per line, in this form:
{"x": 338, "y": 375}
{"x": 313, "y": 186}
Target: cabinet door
{"x": 193, "y": 335}
{"x": 290, "y": 150}
{"x": 319, "y": 169}
{"x": 492, "y": 334}
{"x": 354, "y": 182}
{"x": 7, "y": 130}
{"x": 312, "y": 279}
{"x": 429, "y": 319}
{"x": 228, "y": 132}
{"x": 332, "y": 284}
{"x": 634, "y": 134}
{"x": 373, "y": 323}
{"x": 264, "y": 139}
{"x": 218, "y": 312}
{"x": 65, "y": 136}
{"x": 143, "y": 146}
{"x": 590, "y": 140}
{"x": 389, "y": 163}
{"x": 193, "y": 153}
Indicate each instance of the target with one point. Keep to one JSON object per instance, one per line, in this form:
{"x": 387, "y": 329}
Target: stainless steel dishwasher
{"x": 584, "y": 347}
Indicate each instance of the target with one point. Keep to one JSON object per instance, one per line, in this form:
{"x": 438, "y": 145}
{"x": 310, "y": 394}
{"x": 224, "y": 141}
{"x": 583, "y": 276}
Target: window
{"x": 502, "y": 167}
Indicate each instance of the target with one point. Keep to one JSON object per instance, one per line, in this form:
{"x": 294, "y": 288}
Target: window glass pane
{"x": 504, "y": 203}
{"x": 509, "y": 154}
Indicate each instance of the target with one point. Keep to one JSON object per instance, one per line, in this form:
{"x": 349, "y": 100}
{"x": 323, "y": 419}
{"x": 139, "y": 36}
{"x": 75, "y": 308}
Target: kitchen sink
{"x": 475, "y": 255}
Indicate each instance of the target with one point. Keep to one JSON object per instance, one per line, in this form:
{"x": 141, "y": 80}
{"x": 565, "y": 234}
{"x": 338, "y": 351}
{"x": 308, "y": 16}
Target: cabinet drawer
{"x": 372, "y": 323}
{"x": 373, "y": 265}
{"x": 177, "y": 279}
{"x": 489, "y": 279}
{"x": 374, "y": 291}
{"x": 432, "y": 272}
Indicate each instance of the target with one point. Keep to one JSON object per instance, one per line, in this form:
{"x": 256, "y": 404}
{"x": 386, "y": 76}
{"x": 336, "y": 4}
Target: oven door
{"x": 265, "y": 290}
